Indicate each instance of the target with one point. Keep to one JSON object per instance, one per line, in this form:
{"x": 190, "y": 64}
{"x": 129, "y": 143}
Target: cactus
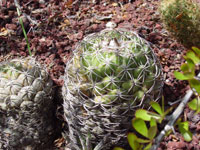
{"x": 26, "y": 105}
{"x": 182, "y": 19}
{"x": 110, "y": 74}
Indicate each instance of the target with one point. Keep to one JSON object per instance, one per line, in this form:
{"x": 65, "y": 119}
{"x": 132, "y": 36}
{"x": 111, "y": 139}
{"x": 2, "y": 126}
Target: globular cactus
{"x": 182, "y": 19}
{"x": 109, "y": 76}
{"x": 26, "y": 105}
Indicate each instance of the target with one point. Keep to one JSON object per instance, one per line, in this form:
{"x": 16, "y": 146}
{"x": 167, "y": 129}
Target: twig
{"x": 75, "y": 2}
{"x": 33, "y": 21}
{"x": 172, "y": 119}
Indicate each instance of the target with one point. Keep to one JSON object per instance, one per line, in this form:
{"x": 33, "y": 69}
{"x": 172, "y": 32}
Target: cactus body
{"x": 104, "y": 84}
{"x": 182, "y": 19}
{"x": 26, "y": 105}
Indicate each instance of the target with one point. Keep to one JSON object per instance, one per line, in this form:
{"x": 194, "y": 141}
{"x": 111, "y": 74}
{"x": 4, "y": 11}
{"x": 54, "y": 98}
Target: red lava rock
{"x": 181, "y": 145}
{"x": 154, "y": 37}
{"x": 173, "y": 45}
{"x": 52, "y": 56}
{"x": 138, "y": 3}
{"x": 118, "y": 20}
{"x": 47, "y": 61}
{"x": 80, "y": 35}
{"x": 58, "y": 43}
{"x": 166, "y": 69}
{"x": 160, "y": 53}
{"x": 60, "y": 51}
{"x": 171, "y": 144}
{"x": 43, "y": 57}
{"x": 11, "y": 26}
{"x": 169, "y": 51}
{"x": 191, "y": 146}
{"x": 195, "y": 140}
{"x": 198, "y": 127}
{"x": 127, "y": 17}
{"x": 176, "y": 145}
{"x": 22, "y": 53}
{"x": 85, "y": 9}
{"x": 94, "y": 26}
{"x": 165, "y": 45}
{"x": 158, "y": 26}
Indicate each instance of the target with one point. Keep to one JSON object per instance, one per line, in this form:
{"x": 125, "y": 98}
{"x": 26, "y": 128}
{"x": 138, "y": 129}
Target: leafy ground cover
{"x": 54, "y": 28}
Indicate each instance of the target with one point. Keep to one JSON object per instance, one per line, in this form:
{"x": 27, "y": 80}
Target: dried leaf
{"x": 114, "y": 4}
{"x": 5, "y": 32}
{"x": 69, "y": 3}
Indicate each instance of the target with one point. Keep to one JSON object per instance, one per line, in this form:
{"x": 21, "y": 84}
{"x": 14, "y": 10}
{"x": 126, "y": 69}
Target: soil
{"x": 54, "y": 28}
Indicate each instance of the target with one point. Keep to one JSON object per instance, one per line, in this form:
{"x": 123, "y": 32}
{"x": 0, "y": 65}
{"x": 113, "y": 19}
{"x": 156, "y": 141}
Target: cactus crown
{"x": 113, "y": 61}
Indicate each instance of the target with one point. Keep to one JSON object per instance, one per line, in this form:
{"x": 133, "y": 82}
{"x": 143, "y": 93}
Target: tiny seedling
{"x": 22, "y": 25}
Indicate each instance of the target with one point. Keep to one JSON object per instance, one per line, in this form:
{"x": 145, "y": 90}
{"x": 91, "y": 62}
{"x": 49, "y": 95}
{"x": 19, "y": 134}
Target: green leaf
{"x": 189, "y": 75}
{"x": 185, "y": 67}
{"x": 190, "y": 64}
{"x": 184, "y": 125}
{"x": 118, "y": 148}
{"x": 163, "y": 104}
{"x": 193, "y": 57}
{"x": 152, "y": 132}
{"x": 194, "y": 105}
{"x": 132, "y": 140}
{"x": 140, "y": 126}
{"x": 168, "y": 111}
{"x": 139, "y": 140}
{"x": 195, "y": 84}
{"x": 181, "y": 76}
{"x": 24, "y": 32}
{"x": 155, "y": 116}
{"x": 148, "y": 146}
{"x": 184, "y": 129}
{"x": 187, "y": 135}
{"x": 196, "y": 50}
{"x": 153, "y": 122}
{"x": 143, "y": 114}
{"x": 147, "y": 115}
{"x": 156, "y": 107}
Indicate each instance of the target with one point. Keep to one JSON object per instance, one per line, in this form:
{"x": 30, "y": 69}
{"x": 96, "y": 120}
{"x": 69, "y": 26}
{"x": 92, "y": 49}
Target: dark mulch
{"x": 56, "y": 26}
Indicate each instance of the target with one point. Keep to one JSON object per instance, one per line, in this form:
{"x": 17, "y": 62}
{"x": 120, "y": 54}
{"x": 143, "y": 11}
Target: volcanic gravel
{"x": 54, "y": 27}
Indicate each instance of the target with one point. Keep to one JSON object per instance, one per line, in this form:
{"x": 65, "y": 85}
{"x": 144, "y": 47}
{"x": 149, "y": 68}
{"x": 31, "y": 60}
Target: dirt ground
{"x": 54, "y": 28}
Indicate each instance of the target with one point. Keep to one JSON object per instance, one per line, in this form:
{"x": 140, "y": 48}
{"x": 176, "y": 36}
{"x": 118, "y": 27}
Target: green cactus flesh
{"x": 110, "y": 71}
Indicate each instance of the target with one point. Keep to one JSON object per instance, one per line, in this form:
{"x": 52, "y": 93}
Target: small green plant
{"x": 182, "y": 19}
{"x": 184, "y": 130}
{"x": 188, "y": 69}
{"x": 145, "y": 123}
{"x": 22, "y": 25}
{"x": 140, "y": 125}
{"x": 144, "y": 118}
{"x": 188, "y": 73}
